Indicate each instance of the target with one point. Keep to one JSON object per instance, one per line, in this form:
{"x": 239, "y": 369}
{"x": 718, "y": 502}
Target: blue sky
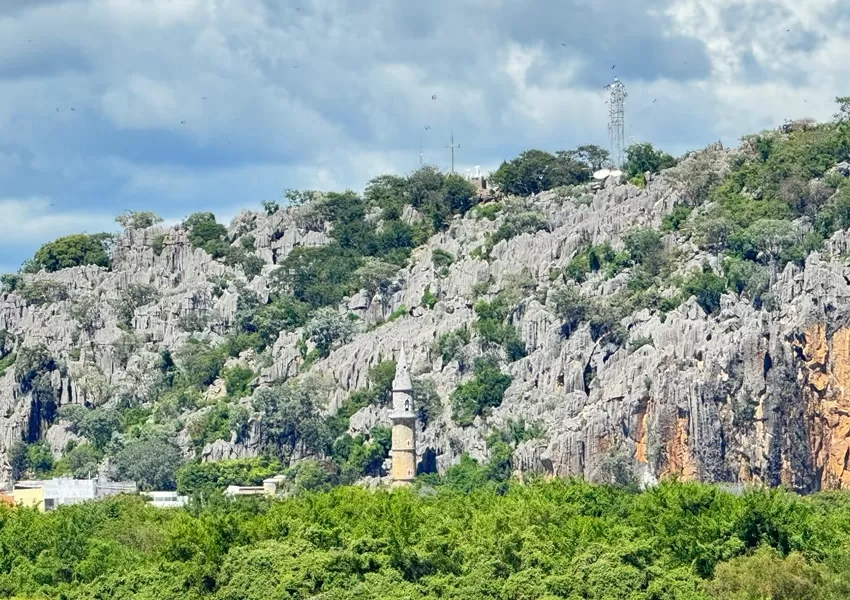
{"x": 185, "y": 105}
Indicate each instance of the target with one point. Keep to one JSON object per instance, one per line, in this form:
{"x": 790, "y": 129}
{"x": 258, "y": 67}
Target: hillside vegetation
{"x": 152, "y": 354}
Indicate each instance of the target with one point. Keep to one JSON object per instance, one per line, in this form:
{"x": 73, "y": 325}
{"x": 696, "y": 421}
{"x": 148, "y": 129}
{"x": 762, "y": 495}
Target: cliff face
{"x": 740, "y": 395}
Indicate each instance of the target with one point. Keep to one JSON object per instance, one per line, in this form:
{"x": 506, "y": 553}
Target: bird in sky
{"x": 182, "y": 122}
{"x": 612, "y": 67}
{"x": 655, "y": 99}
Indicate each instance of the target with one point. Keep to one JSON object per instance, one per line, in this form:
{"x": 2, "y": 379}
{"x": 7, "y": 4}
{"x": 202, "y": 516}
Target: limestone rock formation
{"x": 741, "y": 395}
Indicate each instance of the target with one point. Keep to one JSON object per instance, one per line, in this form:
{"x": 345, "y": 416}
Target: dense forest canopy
{"x": 550, "y": 540}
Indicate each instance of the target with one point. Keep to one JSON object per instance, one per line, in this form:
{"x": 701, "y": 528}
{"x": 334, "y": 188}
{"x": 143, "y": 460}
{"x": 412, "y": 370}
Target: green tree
{"x": 151, "y": 461}
{"x": 327, "y": 327}
{"x": 641, "y": 158}
{"x": 291, "y": 419}
{"x": 205, "y": 233}
{"x": 72, "y": 251}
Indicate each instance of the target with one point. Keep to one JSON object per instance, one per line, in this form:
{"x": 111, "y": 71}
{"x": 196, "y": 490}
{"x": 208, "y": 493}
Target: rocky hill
{"x": 690, "y": 322}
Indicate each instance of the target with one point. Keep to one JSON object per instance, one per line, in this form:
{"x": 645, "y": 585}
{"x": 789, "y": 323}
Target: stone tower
{"x": 403, "y": 451}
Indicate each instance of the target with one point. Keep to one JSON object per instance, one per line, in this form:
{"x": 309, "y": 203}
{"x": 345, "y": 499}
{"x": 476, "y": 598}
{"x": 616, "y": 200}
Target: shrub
{"x": 158, "y": 244}
{"x": 674, "y": 220}
{"x": 43, "y": 291}
{"x": 440, "y": 258}
{"x": 237, "y": 380}
{"x": 270, "y": 206}
{"x": 450, "y": 345}
{"x": 476, "y": 397}
{"x": 327, "y": 328}
{"x": 707, "y": 287}
{"x": 135, "y": 296}
{"x": 429, "y": 299}
{"x": 138, "y": 220}
{"x": 570, "y": 307}
{"x": 11, "y": 282}
{"x": 524, "y": 222}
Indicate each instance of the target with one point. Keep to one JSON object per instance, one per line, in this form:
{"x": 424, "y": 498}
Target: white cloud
{"x": 333, "y": 94}
{"x": 27, "y": 219}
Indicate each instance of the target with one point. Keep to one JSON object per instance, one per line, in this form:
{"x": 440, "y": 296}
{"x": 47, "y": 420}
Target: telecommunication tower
{"x": 617, "y": 121}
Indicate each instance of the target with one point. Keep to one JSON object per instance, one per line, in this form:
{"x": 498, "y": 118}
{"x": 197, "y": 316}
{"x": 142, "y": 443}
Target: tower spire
{"x": 403, "y": 417}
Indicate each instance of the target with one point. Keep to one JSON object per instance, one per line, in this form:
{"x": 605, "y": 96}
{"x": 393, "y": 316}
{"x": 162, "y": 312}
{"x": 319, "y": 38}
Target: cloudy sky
{"x": 185, "y": 105}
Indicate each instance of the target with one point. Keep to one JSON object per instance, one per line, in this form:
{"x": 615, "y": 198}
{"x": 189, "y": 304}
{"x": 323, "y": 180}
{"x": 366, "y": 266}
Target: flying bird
{"x": 182, "y": 122}
{"x": 563, "y": 44}
{"x": 655, "y": 99}
{"x": 612, "y": 67}
{"x": 434, "y": 97}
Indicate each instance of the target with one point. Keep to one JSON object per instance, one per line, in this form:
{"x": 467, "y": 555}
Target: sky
{"x": 178, "y": 106}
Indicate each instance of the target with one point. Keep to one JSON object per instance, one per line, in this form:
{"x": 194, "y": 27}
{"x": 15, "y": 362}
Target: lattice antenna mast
{"x": 617, "y": 122}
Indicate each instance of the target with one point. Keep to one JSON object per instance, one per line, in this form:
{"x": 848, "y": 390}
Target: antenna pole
{"x": 452, "y": 146}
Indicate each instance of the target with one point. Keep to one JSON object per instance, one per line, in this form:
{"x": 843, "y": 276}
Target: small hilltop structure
{"x": 403, "y": 416}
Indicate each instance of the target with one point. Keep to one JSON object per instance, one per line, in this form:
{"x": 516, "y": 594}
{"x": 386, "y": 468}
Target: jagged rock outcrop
{"x": 742, "y": 395}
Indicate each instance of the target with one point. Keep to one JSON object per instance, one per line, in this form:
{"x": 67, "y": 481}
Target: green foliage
{"x": 206, "y": 234}
{"x": 201, "y": 363}
{"x": 488, "y": 211}
{"x": 208, "y": 478}
{"x": 151, "y": 461}
{"x": 270, "y": 206}
{"x": 158, "y": 244}
{"x": 426, "y": 400}
{"x": 252, "y": 265}
{"x": 72, "y": 251}
{"x": 524, "y": 222}
{"x": 484, "y": 391}
{"x": 472, "y": 536}
{"x": 11, "y": 282}
{"x": 133, "y": 297}
{"x": 707, "y": 287}
{"x": 357, "y": 456}
{"x": 429, "y": 299}
{"x": 96, "y": 425}
{"x": 327, "y": 328}
{"x": 292, "y": 420}
{"x": 397, "y": 313}
{"x": 34, "y": 459}
{"x": 237, "y": 380}
{"x": 450, "y": 345}
{"x": 138, "y": 220}
{"x": 677, "y": 217}
{"x": 641, "y": 158}
{"x": 266, "y": 321}
{"x": 43, "y": 291}
{"x": 441, "y": 258}
{"x": 493, "y": 326}
{"x": 535, "y": 171}
{"x": 594, "y": 259}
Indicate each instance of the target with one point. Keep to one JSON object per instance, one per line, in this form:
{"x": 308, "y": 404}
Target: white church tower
{"x": 403, "y": 416}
